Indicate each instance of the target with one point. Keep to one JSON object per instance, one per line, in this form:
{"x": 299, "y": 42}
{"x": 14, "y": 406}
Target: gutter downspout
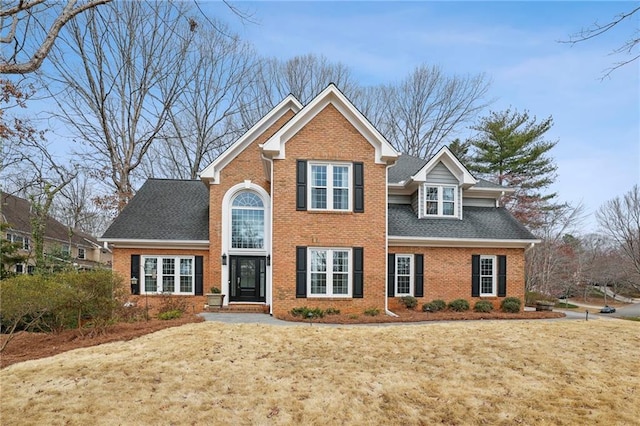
{"x": 270, "y": 273}
{"x": 386, "y": 248}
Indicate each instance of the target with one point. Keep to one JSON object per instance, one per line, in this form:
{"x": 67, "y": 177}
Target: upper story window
{"x": 66, "y": 249}
{"x": 81, "y": 253}
{"x": 19, "y": 240}
{"x": 247, "y": 221}
{"x": 330, "y": 186}
{"x": 440, "y": 200}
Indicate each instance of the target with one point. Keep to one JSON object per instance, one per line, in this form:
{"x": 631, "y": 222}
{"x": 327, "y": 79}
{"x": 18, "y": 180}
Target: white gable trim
{"x": 450, "y": 161}
{"x": 212, "y": 172}
{"x": 275, "y": 146}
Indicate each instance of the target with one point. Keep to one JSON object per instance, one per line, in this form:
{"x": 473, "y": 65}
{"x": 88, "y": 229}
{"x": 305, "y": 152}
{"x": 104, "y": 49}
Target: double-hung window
{"x": 81, "y": 253}
{"x": 487, "y": 276}
{"x": 329, "y": 272}
{"x": 168, "y": 274}
{"x": 330, "y": 186}
{"x": 440, "y": 200}
{"x": 404, "y": 276}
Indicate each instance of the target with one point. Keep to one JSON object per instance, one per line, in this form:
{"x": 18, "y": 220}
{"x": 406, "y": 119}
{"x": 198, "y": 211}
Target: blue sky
{"x": 597, "y": 121}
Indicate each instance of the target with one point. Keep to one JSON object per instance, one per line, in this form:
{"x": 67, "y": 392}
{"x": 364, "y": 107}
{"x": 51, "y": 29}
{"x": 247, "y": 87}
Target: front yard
{"x": 480, "y": 372}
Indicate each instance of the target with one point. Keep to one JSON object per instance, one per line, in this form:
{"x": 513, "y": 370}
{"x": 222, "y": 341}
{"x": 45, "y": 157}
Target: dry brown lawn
{"x": 480, "y": 372}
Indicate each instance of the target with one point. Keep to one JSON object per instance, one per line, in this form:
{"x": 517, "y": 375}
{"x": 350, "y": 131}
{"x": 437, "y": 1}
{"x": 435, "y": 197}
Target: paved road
{"x": 628, "y": 311}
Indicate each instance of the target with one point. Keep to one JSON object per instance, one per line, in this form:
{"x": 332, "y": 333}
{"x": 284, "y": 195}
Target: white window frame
{"x": 329, "y": 272}
{"x": 411, "y": 278}
{"x": 440, "y": 200}
{"x": 264, "y": 223}
{"x": 83, "y": 252}
{"x": 329, "y": 187}
{"x": 159, "y": 275}
{"x": 494, "y": 276}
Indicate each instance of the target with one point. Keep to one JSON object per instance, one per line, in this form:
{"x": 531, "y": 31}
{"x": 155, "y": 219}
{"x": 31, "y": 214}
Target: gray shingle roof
{"x": 165, "y": 209}
{"x": 405, "y": 167}
{"x": 478, "y": 222}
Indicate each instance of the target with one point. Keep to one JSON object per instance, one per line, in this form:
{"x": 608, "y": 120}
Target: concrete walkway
{"x": 246, "y": 318}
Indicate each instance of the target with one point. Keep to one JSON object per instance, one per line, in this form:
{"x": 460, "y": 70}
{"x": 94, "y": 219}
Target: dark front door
{"x": 248, "y": 276}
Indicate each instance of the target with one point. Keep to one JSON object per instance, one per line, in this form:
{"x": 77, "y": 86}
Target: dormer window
{"x": 440, "y": 200}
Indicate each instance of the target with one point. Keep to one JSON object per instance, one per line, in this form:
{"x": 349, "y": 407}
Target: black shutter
{"x": 475, "y": 275}
{"x": 391, "y": 275}
{"x": 135, "y": 273}
{"x": 502, "y": 276}
{"x": 358, "y": 187}
{"x": 301, "y": 185}
{"x": 301, "y": 272}
{"x": 199, "y": 274}
{"x": 358, "y": 269}
{"x": 418, "y": 276}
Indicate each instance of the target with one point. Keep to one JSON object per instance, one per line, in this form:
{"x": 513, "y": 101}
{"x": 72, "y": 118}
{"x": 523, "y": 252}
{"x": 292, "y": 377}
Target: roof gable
{"x": 446, "y": 158}
{"x": 274, "y": 147}
{"x": 212, "y": 172}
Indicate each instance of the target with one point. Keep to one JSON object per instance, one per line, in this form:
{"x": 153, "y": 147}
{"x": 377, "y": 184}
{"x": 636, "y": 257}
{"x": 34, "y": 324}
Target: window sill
{"x": 330, "y": 211}
{"x": 336, "y": 298}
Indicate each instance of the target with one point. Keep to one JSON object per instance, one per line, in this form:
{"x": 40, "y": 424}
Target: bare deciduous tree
{"x": 629, "y": 47}
{"x": 205, "y": 118}
{"x": 619, "y": 218}
{"x": 120, "y": 69}
{"x": 427, "y": 108}
{"x": 30, "y": 28}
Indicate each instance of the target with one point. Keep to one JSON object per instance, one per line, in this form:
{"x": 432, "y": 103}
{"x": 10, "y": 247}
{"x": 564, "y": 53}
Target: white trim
{"x": 411, "y": 277}
{"x": 159, "y": 274}
{"x": 274, "y": 147}
{"x": 212, "y": 172}
{"x": 494, "y": 275}
{"x": 459, "y": 242}
{"x": 168, "y": 244}
{"x": 450, "y": 161}
{"x": 386, "y": 248}
{"x": 329, "y": 272}
{"x": 225, "y": 245}
{"x": 330, "y": 166}
{"x": 440, "y": 201}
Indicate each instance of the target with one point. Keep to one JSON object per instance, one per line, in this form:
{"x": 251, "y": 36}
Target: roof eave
{"x": 460, "y": 242}
{"x": 150, "y": 243}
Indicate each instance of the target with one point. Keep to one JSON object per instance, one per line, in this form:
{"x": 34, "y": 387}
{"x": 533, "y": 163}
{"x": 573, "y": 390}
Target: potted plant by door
{"x": 215, "y": 299}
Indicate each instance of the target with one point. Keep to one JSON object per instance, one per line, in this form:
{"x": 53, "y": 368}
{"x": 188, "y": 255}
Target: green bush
{"x": 483, "y": 306}
{"x": 511, "y": 305}
{"x": 54, "y": 302}
{"x": 332, "y": 311}
{"x": 169, "y": 315}
{"x": 372, "y": 312}
{"x": 459, "y": 305}
{"x": 307, "y": 313}
{"x": 409, "y": 302}
{"x": 434, "y": 306}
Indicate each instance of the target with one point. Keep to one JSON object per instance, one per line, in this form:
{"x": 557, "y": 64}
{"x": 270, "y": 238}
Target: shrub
{"x": 434, "y": 306}
{"x": 483, "y": 306}
{"x": 332, "y": 311}
{"x": 511, "y": 305}
{"x": 409, "y": 302}
{"x": 170, "y": 303}
{"x": 305, "y": 312}
{"x": 459, "y": 305}
{"x": 372, "y": 312}
{"x": 169, "y": 315}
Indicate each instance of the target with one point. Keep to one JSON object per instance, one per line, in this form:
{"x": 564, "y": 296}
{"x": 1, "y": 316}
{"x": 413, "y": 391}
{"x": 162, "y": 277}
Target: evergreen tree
{"x": 510, "y": 150}
{"x": 461, "y": 151}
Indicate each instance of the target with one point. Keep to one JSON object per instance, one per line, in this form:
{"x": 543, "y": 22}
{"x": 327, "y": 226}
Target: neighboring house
{"x": 313, "y": 207}
{"x": 77, "y": 247}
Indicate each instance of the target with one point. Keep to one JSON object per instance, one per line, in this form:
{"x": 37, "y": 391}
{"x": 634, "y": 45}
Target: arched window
{"x": 247, "y": 221}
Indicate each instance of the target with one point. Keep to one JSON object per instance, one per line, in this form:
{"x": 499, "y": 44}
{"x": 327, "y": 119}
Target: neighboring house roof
{"x": 478, "y": 223}
{"x": 274, "y": 147}
{"x": 164, "y": 210}
{"x": 16, "y": 212}
{"x": 405, "y": 167}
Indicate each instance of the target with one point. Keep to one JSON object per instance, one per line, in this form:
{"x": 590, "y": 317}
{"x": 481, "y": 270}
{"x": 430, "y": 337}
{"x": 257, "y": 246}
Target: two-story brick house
{"x": 313, "y": 207}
